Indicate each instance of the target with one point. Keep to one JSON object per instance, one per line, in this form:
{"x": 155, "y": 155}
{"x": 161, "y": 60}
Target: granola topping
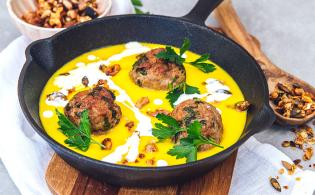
{"x": 61, "y": 13}
{"x": 292, "y": 101}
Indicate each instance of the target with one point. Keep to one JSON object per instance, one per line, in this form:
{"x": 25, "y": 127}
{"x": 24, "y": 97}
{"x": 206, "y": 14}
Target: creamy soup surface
{"x": 127, "y": 145}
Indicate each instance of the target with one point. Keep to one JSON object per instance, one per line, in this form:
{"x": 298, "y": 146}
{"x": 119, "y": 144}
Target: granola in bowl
{"x": 61, "y": 13}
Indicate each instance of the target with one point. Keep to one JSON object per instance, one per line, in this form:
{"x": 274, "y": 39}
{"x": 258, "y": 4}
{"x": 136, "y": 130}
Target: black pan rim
{"x": 78, "y": 156}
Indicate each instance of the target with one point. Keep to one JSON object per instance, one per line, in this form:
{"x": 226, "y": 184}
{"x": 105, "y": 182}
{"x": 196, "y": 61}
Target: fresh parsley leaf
{"x": 173, "y": 95}
{"x": 168, "y": 120}
{"x": 170, "y": 55}
{"x": 136, "y": 3}
{"x": 65, "y": 125}
{"x": 188, "y": 89}
{"x": 194, "y": 129}
{"x": 185, "y": 46}
{"x": 139, "y": 11}
{"x": 77, "y": 136}
{"x": 167, "y": 130}
{"x": 162, "y": 132}
{"x": 184, "y": 151}
{"x": 188, "y": 146}
{"x": 202, "y": 65}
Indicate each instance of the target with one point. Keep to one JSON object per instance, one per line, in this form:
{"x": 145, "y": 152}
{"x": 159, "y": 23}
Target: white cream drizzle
{"x": 80, "y": 64}
{"x": 161, "y": 163}
{"x": 130, "y": 148}
{"x": 215, "y": 92}
{"x": 158, "y": 102}
{"x": 92, "y": 72}
{"x": 92, "y": 57}
{"x": 48, "y": 114}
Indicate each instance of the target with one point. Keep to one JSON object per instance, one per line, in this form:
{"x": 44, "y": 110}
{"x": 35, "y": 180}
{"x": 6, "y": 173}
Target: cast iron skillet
{"x": 44, "y": 57}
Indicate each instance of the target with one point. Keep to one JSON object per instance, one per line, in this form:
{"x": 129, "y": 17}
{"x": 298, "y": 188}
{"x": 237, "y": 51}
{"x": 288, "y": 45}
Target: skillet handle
{"x": 263, "y": 120}
{"x": 201, "y": 11}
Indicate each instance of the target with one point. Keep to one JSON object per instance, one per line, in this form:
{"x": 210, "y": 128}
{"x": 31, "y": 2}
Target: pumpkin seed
{"x": 275, "y": 184}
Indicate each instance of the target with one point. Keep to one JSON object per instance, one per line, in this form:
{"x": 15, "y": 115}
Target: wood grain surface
{"x": 62, "y": 179}
{"x": 232, "y": 26}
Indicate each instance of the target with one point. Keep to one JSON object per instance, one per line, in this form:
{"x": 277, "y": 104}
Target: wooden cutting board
{"x": 62, "y": 179}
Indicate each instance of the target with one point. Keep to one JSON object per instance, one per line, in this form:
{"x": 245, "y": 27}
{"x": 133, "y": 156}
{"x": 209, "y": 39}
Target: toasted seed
{"x": 141, "y": 156}
{"x": 150, "y": 162}
{"x": 223, "y": 91}
{"x": 281, "y": 171}
{"x": 151, "y": 147}
{"x": 287, "y": 165}
{"x": 129, "y": 125}
{"x": 111, "y": 70}
{"x": 308, "y": 153}
{"x": 242, "y": 106}
{"x": 298, "y": 91}
{"x": 307, "y": 99}
{"x": 140, "y": 103}
{"x": 107, "y": 142}
{"x": 157, "y": 111}
{"x": 88, "y": 11}
{"x": 286, "y": 187}
{"x": 274, "y": 95}
{"x": 297, "y": 161}
{"x": 85, "y": 81}
{"x": 285, "y": 144}
{"x": 275, "y": 184}
{"x": 292, "y": 144}
{"x": 64, "y": 74}
{"x": 283, "y": 87}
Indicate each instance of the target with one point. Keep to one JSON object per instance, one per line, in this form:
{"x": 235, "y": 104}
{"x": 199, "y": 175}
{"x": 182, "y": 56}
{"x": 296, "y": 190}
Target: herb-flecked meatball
{"x": 196, "y": 110}
{"x": 104, "y": 113}
{"x": 154, "y": 73}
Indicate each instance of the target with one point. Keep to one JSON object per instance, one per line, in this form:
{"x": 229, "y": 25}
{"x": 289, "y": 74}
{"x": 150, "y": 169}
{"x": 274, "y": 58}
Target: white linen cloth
{"x": 26, "y": 155}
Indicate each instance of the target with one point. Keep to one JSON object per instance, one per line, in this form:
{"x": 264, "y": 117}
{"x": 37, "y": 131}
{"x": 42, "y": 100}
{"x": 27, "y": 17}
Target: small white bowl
{"x": 17, "y": 8}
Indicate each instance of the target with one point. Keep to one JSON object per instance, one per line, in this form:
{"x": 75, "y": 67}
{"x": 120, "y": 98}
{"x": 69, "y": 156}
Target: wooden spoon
{"x": 231, "y": 25}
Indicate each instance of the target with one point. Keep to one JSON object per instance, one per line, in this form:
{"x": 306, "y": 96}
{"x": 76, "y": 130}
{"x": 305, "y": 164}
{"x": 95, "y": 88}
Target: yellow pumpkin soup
{"x": 131, "y": 136}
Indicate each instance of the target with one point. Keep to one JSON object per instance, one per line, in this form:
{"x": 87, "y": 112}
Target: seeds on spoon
{"x": 292, "y": 101}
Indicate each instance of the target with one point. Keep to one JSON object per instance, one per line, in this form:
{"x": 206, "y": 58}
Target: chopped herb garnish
{"x": 188, "y": 146}
{"x": 183, "y": 88}
{"x": 78, "y": 136}
{"x": 171, "y": 56}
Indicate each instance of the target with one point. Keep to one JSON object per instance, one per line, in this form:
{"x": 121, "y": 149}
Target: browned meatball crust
{"x": 191, "y": 110}
{"x": 104, "y": 113}
{"x": 154, "y": 73}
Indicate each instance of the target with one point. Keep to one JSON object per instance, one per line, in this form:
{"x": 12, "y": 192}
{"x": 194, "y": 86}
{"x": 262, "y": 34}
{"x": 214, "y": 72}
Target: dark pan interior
{"x": 46, "y": 56}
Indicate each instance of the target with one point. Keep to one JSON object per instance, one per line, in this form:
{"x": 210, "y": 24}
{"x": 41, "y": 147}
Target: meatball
{"x": 191, "y": 110}
{"x": 154, "y": 73}
{"x": 104, "y": 113}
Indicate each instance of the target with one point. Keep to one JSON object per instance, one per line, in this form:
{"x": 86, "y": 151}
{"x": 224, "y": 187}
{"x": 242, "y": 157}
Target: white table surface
{"x": 285, "y": 29}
